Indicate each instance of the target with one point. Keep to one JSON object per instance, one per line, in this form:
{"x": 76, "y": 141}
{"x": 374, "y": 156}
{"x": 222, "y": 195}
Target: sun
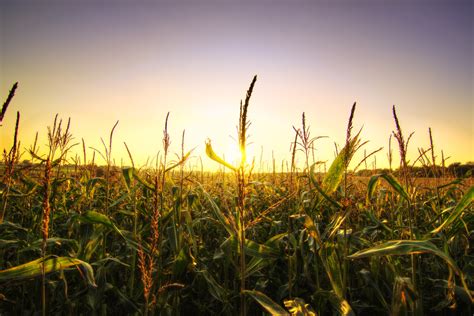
{"x": 233, "y": 155}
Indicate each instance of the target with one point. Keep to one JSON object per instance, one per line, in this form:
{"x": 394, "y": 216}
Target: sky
{"x": 135, "y": 61}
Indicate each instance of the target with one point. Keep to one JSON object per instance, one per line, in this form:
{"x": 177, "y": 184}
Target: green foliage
{"x": 267, "y": 303}
{"x": 465, "y": 201}
{"x": 405, "y": 247}
{"x": 196, "y": 263}
{"x": 34, "y": 269}
{"x": 391, "y": 180}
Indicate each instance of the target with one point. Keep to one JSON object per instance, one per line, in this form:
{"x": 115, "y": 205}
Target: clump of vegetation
{"x": 167, "y": 239}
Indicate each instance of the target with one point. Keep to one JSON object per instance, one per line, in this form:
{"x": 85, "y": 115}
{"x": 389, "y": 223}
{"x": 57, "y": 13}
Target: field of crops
{"x": 165, "y": 239}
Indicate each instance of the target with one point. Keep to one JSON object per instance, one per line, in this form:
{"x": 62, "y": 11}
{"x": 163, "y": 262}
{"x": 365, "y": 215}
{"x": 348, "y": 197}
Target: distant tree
{"x": 461, "y": 170}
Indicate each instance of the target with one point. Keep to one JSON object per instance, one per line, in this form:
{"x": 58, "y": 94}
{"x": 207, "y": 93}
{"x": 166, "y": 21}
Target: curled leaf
{"x": 391, "y": 180}
{"x": 211, "y": 154}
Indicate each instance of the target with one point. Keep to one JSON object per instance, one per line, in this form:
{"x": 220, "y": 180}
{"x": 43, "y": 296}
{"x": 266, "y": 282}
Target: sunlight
{"x": 233, "y": 155}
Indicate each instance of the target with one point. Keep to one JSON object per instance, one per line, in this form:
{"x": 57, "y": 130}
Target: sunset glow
{"x": 99, "y": 63}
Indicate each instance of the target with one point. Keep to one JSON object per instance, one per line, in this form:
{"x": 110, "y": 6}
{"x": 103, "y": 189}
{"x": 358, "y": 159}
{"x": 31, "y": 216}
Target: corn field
{"x": 166, "y": 239}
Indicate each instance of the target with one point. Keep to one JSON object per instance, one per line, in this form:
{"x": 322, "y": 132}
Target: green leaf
{"x": 128, "y": 175}
{"x": 267, "y": 303}
{"x": 259, "y": 262}
{"x": 333, "y": 266}
{"x": 34, "y": 269}
{"x": 145, "y": 183}
{"x": 119, "y": 200}
{"x": 371, "y": 186}
{"x": 312, "y": 177}
{"x": 407, "y": 247}
{"x": 391, "y": 180}
{"x": 30, "y": 182}
{"x": 180, "y": 263}
{"x": 107, "y": 260}
{"x": 142, "y": 181}
{"x": 458, "y": 210}
{"x": 334, "y": 225}
{"x": 91, "y": 243}
{"x": 215, "y": 289}
{"x": 404, "y": 247}
{"x": 94, "y": 217}
{"x": 334, "y": 176}
{"x": 312, "y": 229}
{"x": 260, "y": 251}
{"x": 6, "y": 224}
{"x": 218, "y": 213}
{"x": 254, "y": 249}
{"x": 8, "y": 243}
{"x": 50, "y": 242}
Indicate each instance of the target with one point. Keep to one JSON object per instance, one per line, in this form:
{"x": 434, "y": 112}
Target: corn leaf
{"x": 145, "y": 183}
{"x": 218, "y": 213}
{"x": 333, "y": 267}
{"x": 312, "y": 177}
{"x": 34, "y": 269}
{"x": 334, "y": 176}
{"x": 128, "y": 175}
{"x": 51, "y": 242}
{"x": 404, "y": 247}
{"x": 390, "y": 180}
{"x": 312, "y": 229}
{"x": 94, "y": 217}
{"x": 458, "y": 210}
{"x": 254, "y": 249}
{"x": 257, "y": 262}
{"x": 211, "y": 154}
{"x": 267, "y": 303}
{"x": 215, "y": 289}
{"x": 9, "y": 243}
{"x": 407, "y": 247}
